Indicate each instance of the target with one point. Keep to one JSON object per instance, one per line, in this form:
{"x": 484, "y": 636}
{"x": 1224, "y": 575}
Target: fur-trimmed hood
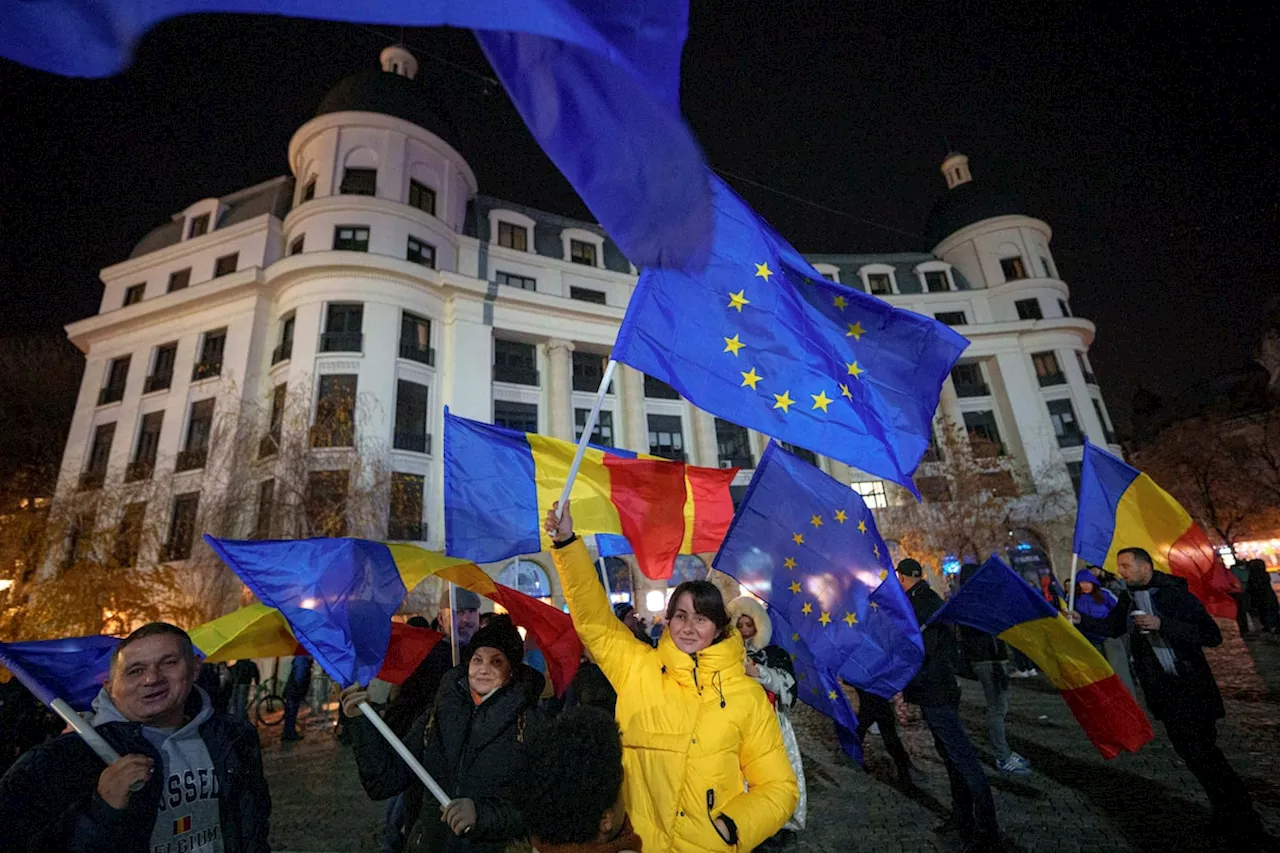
{"x": 745, "y": 604}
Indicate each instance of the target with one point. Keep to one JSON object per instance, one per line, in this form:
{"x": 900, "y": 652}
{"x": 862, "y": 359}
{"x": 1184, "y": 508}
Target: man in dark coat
{"x": 187, "y": 778}
{"x": 1168, "y": 629}
{"x": 934, "y": 689}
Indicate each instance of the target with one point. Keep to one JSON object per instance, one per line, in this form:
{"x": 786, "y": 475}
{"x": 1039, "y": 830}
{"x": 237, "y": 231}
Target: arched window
{"x": 687, "y": 568}
{"x": 528, "y": 577}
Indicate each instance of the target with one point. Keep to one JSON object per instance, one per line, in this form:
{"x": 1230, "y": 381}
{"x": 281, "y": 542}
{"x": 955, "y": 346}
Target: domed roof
{"x": 967, "y": 203}
{"x": 378, "y": 91}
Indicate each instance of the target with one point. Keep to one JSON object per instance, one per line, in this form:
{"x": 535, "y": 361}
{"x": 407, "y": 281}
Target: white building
{"x": 377, "y": 267}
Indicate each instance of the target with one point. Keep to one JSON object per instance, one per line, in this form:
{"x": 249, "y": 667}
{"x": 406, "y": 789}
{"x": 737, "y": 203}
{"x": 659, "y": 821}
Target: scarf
{"x": 1164, "y": 654}
{"x": 626, "y": 841}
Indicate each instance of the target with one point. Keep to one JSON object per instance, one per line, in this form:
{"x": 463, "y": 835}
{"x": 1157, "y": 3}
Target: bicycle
{"x": 268, "y": 704}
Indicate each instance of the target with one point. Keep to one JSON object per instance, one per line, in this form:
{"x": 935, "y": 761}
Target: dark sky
{"x": 1145, "y": 139}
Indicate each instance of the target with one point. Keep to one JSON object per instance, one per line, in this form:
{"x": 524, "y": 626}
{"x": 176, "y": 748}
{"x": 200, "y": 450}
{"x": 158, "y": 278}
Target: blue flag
{"x": 596, "y": 81}
{"x": 762, "y": 339}
{"x": 73, "y": 669}
{"x": 338, "y": 596}
{"x": 807, "y": 546}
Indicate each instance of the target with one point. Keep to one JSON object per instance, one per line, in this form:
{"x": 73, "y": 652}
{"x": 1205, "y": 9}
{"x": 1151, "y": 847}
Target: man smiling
{"x": 188, "y": 780}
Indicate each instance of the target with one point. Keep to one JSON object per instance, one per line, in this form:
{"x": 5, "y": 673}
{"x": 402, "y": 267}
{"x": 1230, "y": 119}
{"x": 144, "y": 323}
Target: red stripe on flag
{"x": 550, "y": 628}
{"x": 1109, "y": 716}
{"x": 649, "y": 495}
{"x": 1194, "y": 560}
{"x": 408, "y": 648}
{"x": 712, "y": 506}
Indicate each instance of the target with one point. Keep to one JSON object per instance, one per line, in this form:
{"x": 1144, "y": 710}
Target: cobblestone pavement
{"x": 1074, "y": 802}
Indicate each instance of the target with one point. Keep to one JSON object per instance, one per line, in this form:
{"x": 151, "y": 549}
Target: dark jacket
{"x": 981, "y": 647}
{"x": 1187, "y": 628}
{"x": 49, "y": 798}
{"x": 473, "y": 751}
{"x": 418, "y": 692}
{"x": 245, "y": 672}
{"x": 935, "y": 683}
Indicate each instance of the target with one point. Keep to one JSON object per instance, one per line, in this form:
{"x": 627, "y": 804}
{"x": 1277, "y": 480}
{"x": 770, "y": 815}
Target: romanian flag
{"x": 1121, "y": 507}
{"x": 499, "y": 485}
{"x": 996, "y": 601}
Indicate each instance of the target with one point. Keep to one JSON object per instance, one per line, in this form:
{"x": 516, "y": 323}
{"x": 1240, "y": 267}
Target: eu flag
{"x": 807, "y": 546}
{"x": 762, "y": 339}
{"x": 72, "y": 669}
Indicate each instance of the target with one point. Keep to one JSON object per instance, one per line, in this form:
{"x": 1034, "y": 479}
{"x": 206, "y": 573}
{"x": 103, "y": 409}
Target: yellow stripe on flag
{"x": 256, "y": 631}
{"x": 417, "y": 564}
{"x": 686, "y": 544}
{"x": 593, "y": 509}
{"x": 1061, "y": 652}
{"x": 1147, "y": 517}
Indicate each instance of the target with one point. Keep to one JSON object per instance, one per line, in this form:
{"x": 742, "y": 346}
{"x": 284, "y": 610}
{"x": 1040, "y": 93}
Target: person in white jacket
{"x": 771, "y": 666}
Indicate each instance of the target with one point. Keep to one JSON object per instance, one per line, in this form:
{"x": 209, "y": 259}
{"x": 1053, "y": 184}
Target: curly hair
{"x": 576, "y": 776}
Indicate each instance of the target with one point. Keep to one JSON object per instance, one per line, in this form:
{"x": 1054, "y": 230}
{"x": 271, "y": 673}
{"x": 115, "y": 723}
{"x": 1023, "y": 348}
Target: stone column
{"x": 706, "y": 450}
{"x": 559, "y": 354}
{"x": 631, "y": 417}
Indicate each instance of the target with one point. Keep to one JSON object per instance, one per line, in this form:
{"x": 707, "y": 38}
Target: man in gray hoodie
{"x": 188, "y": 780}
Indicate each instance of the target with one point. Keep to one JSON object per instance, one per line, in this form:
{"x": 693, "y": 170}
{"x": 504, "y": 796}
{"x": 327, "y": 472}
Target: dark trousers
{"x": 1242, "y": 611}
{"x": 873, "y": 709}
{"x": 971, "y": 802}
{"x": 1196, "y": 742}
{"x": 292, "y": 704}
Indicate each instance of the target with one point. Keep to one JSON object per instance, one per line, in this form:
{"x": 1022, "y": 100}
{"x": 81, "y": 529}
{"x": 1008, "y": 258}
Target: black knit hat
{"x": 500, "y": 634}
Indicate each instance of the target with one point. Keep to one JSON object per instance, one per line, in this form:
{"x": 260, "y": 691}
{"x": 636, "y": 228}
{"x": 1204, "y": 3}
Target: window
{"x": 359, "y": 182}
{"x": 144, "y": 455}
{"x": 968, "y": 379}
{"x": 688, "y": 567}
{"x": 1049, "y": 271}
{"x": 351, "y": 238}
{"x": 422, "y": 197}
{"x": 934, "y": 489}
{"x": 1064, "y": 308}
{"x": 656, "y": 389}
{"x": 936, "y": 282}
{"x": 270, "y": 443}
{"x": 411, "y": 417}
{"x": 527, "y": 577}
{"x": 295, "y": 247}
{"x": 406, "y": 507}
{"x": 129, "y": 535}
{"x": 211, "y": 349}
{"x": 586, "y": 294}
{"x": 619, "y": 578}
{"x": 951, "y": 318}
{"x": 733, "y": 445}
{"x": 1085, "y": 368}
{"x": 343, "y": 324}
{"x": 326, "y": 503}
{"x": 199, "y": 226}
{"x": 225, "y": 265}
{"x": 873, "y": 493}
{"x": 666, "y": 437}
{"x": 582, "y": 252}
{"x": 880, "y": 283}
{"x": 588, "y": 371}
{"x": 1107, "y": 431}
{"x": 1028, "y": 309}
{"x": 284, "y": 350}
{"x": 513, "y": 236}
{"x": 1047, "y": 370}
{"x": 182, "y": 527}
{"x": 603, "y": 432}
{"x": 96, "y": 471}
{"x": 199, "y": 427}
{"x": 117, "y": 378}
{"x": 1013, "y": 268}
{"x": 523, "y": 282}
{"x": 335, "y": 424}
{"x": 266, "y": 508}
{"x": 179, "y": 280}
{"x": 133, "y": 294}
{"x": 984, "y": 434}
{"x": 932, "y": 453}
{"x": 1065, "y": 426}
{"x": 415, "y": 339}
{"x": 514, "y": 362}
{"x": 521, "y": 417}
{"x": 999, "y": 483}
{"x": 309, "y": 191}
{"x": 79, "y": 545}
{"x": 421, "y": 253}
{"x": 161, "y": 369}
{"x": 800, "y": 452}
{"x": 1074, "y": 471}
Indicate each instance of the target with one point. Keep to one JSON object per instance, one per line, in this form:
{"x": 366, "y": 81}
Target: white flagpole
{"x": 403, "y": 751}
{"x": 587, "y": 429}
{"x": 453, "y": 624}
{"x": 1071, "y": 596}
{"x": 604, "y": 571}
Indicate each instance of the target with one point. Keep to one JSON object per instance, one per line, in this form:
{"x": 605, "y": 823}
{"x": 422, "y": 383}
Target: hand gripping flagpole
{"x": 587, "y": 429}
{"x": 403, "y": 751}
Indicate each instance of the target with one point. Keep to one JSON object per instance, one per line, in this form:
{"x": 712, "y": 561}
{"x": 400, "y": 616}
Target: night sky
{"x": 1147, "y": 143}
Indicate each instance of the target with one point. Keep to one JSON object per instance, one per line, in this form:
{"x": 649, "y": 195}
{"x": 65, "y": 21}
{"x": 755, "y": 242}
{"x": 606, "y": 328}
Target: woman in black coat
{"x": 471, "y": 742}
{"x": 1262, "y": 596}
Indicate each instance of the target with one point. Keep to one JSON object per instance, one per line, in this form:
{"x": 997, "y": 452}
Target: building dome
{"x": 967, "y": 201}
{"x": 390, "y": 90}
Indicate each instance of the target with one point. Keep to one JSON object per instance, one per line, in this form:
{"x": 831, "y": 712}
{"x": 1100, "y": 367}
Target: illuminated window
{"x": 873, "y": 493}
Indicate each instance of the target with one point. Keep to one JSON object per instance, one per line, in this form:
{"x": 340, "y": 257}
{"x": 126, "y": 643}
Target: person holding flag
{"x": 705, "y": 766}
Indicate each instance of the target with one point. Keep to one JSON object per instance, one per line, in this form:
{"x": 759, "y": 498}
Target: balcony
{"x": 342, "y": 342}
{"x": 190, "y": 460}
{"x": 422, "y": 355}
{"x": 110, "y": 394}
{"x": 269, "y": 446}
{"x": 415, "y": 442}
{"x": 972, "y": 389}
{"x": 139, "y": 469}
{"x": 516, "y": 375}
{"x": 407, "y": 531}
{"x": 206, "y": 370}
{"x": 92, "y": 479}
{"x": 282, "y": 353}
{"x": 160, "y": 382}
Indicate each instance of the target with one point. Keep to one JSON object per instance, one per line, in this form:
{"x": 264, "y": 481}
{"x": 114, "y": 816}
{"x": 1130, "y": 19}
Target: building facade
{"x": 377, "y": 283}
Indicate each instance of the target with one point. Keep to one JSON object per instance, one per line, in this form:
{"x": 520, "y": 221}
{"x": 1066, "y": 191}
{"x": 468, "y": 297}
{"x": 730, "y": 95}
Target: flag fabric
{"x": 597, "y": 83}
{"x": 806, "y": 545}
{"x": 72, "y": 669}
{"x": 1121, "y": 507}
{"x": 996, "y": 601}
{"x": 499, "y": 484}
{"x": 760, "y": 338}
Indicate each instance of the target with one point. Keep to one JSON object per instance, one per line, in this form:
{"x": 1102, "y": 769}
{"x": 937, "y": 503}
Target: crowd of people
{"x": 679, "y": 743}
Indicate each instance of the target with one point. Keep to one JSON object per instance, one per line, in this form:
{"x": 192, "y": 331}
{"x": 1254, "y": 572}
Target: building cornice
{"x": 134, "y": 266}
{"x": 995, "y": 223}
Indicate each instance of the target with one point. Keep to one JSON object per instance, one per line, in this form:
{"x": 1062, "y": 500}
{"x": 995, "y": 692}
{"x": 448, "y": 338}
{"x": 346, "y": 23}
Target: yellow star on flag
{"x": 831, "y": 694}
{"x": 797, "y": 538}
{"x": 733, "y": 344}
{"x": 816, "y": 521}
{"x": 875, "y": 549}
{"x": 807, "y": 609}
{"x": 855, "y": 331}
{"x": 845, "y": 392}
{"x": 862, "y": 527}
{"x": 795, "y": 587}
{"x": 783, "y": 401}
{"x": 840, "y": 302}
{"x": 821, "y": 400}
{"x": 763, "y": 271}
{"x": 790, "y": 563}
{"x": 737, "y": 300}
{"x": 874, "y": 605}
{"x": 884, "y": 574}
{"x": 841, "y": 516}
{"x": 850, "y": 619}
{"x": 825, "y": 619}
{"x": 795, "y": 638}
{"x": 855, "y": 370}
{"x": 750, "y": 378}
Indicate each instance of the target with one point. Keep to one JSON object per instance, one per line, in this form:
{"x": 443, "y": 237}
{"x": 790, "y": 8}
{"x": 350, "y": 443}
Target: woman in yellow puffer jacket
{"x": 704, "y": 763}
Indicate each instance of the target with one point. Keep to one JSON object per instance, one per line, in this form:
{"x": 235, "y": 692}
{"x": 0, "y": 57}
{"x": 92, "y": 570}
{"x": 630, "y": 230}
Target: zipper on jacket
{"x": 694, "y": 655}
